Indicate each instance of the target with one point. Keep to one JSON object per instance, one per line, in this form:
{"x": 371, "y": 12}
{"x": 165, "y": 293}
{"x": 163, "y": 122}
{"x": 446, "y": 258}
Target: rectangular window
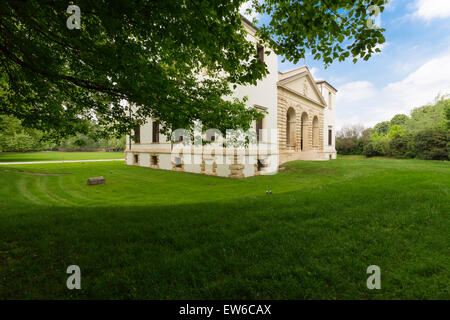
{"x": 155, "y": 131}
{"x": 259, "y": 127}
{"x": 154, "y": 160}
{"x": 330, "y": 137}
{"x": 210, "y": 135}
{"x": 136, "y": 159}
{"x": 260, "y": 165}
{"x": 137, "y": 134}
{"x": 178, "y": 163}
{"x": 260, "y": 52}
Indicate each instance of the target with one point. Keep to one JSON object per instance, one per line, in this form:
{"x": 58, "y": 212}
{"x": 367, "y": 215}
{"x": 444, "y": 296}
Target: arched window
{"x": 303, "y": 131}
{"x": 315, "y": 131}
{"x": 290, "y": 128}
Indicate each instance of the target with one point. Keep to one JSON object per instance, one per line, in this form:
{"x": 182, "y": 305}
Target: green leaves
{"x": 152, "y": 53}
{"x": 145, "y": 52}
{"x": 333, "y": 29}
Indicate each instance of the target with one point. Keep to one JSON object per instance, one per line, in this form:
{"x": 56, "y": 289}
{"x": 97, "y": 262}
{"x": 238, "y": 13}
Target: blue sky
{"x": 412, "y": 69}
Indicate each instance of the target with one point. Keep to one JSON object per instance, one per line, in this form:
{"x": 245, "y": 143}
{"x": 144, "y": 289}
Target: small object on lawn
{"x": 110, "y": 172}
{"x": 96, "y": 180}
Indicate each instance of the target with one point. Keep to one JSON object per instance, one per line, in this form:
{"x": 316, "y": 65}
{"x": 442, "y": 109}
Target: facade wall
{"x": 264, "y": 94}
{"x": 305, "y": 112}
{"x": 329, "y": 94}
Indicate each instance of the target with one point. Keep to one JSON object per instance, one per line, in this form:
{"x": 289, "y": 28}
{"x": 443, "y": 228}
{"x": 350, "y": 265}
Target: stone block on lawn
{"x": 96, "y": 180}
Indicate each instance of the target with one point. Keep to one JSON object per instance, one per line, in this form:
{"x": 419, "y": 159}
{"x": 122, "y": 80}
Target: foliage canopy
{"x": 150, "y": 54}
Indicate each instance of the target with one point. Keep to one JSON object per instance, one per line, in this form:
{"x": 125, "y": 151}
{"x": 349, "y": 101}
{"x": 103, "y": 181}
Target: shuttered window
{"x": 260, "y": 52}
{"x": 155, "y": 131}
{"x": 259, "y": 127}
{"x": 137, "y": 134}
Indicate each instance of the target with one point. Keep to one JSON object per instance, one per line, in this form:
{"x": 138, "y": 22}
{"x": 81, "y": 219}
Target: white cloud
{"x": 432, "y": 9}
{"x": 422, "y": 85}
{"x": 390, "y": 5}
{"x": 356, "y": 91}
{"x": 315, "y": 73}
{"x": 361, "y": 102}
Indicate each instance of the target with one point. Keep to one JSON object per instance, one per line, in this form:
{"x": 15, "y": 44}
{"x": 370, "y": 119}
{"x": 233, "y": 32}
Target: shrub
{"x": 351, "y": 139}
{"x": 344, "y": 145}
{"x": 431, "y": 144}
{"x": 399, "y": 146}
{"x": 377, "y": 147}
{"x": 14, "y": 137}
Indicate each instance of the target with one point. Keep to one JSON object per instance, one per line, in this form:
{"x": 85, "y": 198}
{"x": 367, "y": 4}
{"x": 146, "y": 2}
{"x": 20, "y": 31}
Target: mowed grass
{"x": 155, "y": 234}
{"x": 57, "y": 156}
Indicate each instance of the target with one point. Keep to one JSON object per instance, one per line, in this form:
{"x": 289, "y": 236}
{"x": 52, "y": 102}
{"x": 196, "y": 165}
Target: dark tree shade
{"x": 150, "y": 54}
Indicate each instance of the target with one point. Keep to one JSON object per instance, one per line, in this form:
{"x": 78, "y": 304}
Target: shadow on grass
{"x": 315, "y": 244}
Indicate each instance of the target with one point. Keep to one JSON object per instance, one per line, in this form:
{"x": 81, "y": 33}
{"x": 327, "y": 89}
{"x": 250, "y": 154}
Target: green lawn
{"x": 58, "y": 156}
{"x": 160, "y": 234}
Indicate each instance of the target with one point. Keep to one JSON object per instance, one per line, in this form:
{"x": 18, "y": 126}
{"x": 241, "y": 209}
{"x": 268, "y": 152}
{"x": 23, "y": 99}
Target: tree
{"x": 447, "y": 112}
{"x": 399, "y": 146}
{"x": 395, "y": 130}
{"x": 92, "y": 140}
{"x": 351, "y": 139}
{"x": 424, "y": 135}
{"x": 432, "y": 144}
{"x": 382, "y": 128}
{"x": 430, "y": 116}
{"x": 150, "y": 53}
{"x": 14, "y": 137}
{"x": 399, "y": 120}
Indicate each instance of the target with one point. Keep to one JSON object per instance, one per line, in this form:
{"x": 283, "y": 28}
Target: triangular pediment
{"x": 302, "y": 82}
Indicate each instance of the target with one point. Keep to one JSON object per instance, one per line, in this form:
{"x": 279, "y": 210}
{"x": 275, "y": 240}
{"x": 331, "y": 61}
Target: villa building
{"x": 299, "y": 124}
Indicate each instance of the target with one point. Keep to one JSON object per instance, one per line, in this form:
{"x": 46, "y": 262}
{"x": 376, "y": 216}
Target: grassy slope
{"x": 58, "y": 156}
{"x": 159, "y": 234}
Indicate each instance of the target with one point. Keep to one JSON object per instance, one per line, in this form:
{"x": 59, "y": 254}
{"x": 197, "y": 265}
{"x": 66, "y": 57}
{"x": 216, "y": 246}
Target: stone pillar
{"x": 237, "y": 170}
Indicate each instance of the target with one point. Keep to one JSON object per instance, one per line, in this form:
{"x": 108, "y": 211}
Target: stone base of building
{"x": 288, "y": 156}
{"x": 247, "y": 165}
{"x": 214, "y": 165}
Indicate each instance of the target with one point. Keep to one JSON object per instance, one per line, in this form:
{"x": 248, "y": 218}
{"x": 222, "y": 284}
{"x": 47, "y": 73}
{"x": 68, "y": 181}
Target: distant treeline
{"x": 16, "y": 138}
{"x": 425, "y": 134}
